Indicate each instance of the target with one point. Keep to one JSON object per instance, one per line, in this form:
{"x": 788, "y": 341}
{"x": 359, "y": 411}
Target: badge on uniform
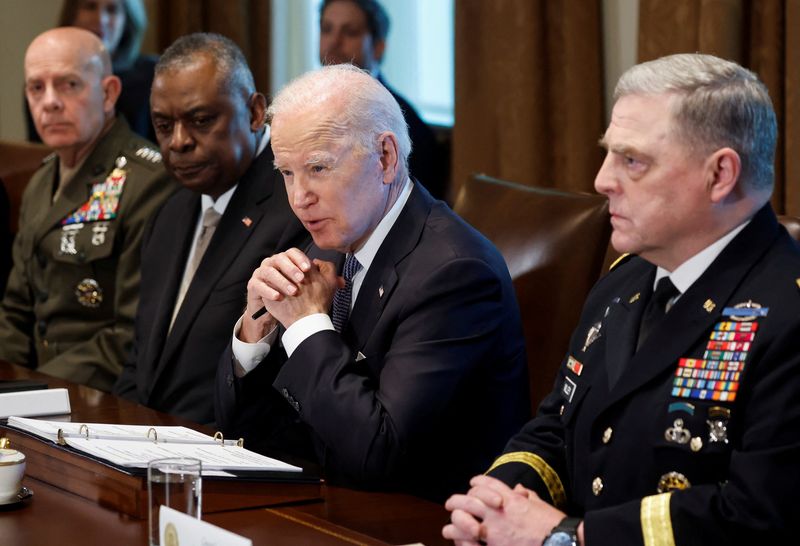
{"x": 746, "y": 311}
{"x": 68, "y": 234}
{"x": 676, "y": 434}
{"x": 89, "y": 293}
{"x": 574, "y": 366}
{"x": 718, "y": 424}
{"x": 673, "y": 481}
{"x": 104, "y": 199}
{"x": 592, "y": 335}
{"x": 99, "y": 230}
{"x": 568, "y": 389}
{"x": 716, "y": 375}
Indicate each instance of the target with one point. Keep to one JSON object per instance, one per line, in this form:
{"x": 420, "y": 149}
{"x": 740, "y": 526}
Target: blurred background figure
{"x": 354, "y": 31}
{"x": 120, "y": 24}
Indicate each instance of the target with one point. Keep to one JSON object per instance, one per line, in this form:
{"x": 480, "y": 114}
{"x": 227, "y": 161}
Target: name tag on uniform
{"x": 568, "y": 389}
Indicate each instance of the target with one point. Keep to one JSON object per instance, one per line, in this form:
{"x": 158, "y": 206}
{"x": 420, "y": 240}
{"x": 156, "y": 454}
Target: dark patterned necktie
{"x": 343, "y": 296}
{"x": 656, "y": 308}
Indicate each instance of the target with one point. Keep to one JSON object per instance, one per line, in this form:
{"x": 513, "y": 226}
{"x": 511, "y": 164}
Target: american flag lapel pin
{"x": 247, "y": 221}
{"x": 380, "y": 292}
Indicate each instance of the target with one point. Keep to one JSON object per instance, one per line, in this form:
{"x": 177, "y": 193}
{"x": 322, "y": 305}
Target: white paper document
{"x": 136, "y": 445}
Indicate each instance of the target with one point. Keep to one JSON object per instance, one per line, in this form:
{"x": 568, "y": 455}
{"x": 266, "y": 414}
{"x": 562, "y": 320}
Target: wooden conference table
{"x": 342, "y": 516}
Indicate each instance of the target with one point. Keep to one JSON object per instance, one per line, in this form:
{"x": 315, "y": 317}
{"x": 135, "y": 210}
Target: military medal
{"x": 89, "y": 293}
{"x": 676, "y": 433}
{"x": 673, "y": 481}
{"x": 696, "y": 444}
{"x": 104, "y": 199}
{"x": 716, "y": 375}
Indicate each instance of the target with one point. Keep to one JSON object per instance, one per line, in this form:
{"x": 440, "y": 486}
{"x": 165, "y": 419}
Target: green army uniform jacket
{"x": 71, "y": 298}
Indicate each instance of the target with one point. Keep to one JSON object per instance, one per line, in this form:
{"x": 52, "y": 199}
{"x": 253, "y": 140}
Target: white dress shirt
{"x": 689, "y": 271}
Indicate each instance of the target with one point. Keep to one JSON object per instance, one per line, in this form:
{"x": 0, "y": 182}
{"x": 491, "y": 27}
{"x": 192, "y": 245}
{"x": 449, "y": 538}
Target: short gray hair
{"x": 720, "y": 104}
{"x": 228, "y": 58}
{"x": 369, "y": 108}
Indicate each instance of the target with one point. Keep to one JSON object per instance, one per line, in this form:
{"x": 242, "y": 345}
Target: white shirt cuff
{"x": 304, "y": 328}
{"x": 249, "y": 355}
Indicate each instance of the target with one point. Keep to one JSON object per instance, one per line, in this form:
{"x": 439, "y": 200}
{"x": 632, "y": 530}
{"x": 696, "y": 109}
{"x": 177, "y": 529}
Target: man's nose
{"x": 606, "y": 182}
{"x": 180, "y": 140}
{"x": 52, "y": 100}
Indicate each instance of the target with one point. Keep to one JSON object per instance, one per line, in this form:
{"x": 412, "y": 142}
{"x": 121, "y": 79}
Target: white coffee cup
{"x": 12, "y": 470}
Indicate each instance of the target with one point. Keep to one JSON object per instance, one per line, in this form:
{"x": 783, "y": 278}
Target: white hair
{"x": 368, "y": 107}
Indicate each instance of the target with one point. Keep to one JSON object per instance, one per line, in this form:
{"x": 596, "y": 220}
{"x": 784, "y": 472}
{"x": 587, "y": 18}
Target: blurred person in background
{"x": 121, "y": 25}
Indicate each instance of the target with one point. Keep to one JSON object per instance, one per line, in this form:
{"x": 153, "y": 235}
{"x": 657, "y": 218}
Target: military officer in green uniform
{"x": 71, "y": 298}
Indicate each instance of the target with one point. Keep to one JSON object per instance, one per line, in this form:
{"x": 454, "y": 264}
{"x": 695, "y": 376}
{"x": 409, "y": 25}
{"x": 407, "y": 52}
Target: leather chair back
{"x": 554, "y": 244}
{"x": 18, "y": 161}
{"x": 792, "y": 225}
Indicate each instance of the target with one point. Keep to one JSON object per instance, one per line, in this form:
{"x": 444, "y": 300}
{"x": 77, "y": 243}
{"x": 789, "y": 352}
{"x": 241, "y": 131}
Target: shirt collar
{"x": 206, "y": 201}
{"x": 366, "y": 254}
{"x": 689, "y": 271}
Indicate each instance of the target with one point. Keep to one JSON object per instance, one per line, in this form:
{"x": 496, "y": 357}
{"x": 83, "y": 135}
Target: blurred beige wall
{"x": 20, "y": 22}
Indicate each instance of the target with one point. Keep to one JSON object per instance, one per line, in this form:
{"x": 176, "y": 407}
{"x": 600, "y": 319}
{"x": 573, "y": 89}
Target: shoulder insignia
{"x": 797, "y": 281}
{"x": 619, "y": 261}
{"x": 150, "y": 154}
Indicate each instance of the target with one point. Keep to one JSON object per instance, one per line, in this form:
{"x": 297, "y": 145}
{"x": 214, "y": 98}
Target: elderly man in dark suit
{"x": 206, "y": 241}
{"x": 675, "y": 417}
{"x": 420, "y": 367}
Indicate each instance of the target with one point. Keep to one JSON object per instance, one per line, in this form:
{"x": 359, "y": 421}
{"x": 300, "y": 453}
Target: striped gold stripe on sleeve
{"x": 656, "y": 521}
{"x": 545, "y": 471}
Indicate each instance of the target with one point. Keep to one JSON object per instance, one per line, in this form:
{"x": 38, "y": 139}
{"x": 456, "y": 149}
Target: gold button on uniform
{"x": 607, "y": 435}
{"x": 597, "y": 486}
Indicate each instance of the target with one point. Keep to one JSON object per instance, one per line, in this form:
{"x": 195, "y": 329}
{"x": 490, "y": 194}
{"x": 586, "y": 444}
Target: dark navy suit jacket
{"x": 426, "y": 380}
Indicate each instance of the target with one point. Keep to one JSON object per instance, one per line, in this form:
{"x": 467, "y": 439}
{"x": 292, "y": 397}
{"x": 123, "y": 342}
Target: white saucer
{"x": 23, "y": 494}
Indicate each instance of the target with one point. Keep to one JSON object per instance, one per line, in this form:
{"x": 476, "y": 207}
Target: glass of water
{"x": 173, "y": 482}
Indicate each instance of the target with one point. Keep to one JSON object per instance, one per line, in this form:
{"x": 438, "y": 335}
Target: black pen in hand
{"x": 260, "y": 313}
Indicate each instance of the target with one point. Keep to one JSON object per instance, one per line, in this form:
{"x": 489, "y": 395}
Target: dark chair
{"x": 18, "y": 161}
{"x": 792, "y": 225}
{"x": 554, "y": 244}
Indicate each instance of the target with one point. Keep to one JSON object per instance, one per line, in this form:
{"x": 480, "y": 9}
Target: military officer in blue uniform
{"x": 71, "y": 298}
{"x": 675, "y": 418}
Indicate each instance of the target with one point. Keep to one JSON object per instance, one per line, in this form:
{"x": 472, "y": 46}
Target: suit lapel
{"x": 381, "y": 278}
{"x": 230, "y": 236}
{"x": 700, "y": 307}
{"x": 622, "y": 322}
{"x": 171, "y": 259}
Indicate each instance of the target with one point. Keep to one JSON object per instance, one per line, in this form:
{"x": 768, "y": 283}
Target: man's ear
{"x": 258, "y": 111}
{"x": 390, "y": 156}
{"x": 112, "y": 87}
{"x": 378, "y": 49}
{"x": 724, "y": 167}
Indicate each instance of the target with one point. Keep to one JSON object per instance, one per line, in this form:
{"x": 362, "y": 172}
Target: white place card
{"x": 34, "y": 403}
{"x": 177, "y": 528}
